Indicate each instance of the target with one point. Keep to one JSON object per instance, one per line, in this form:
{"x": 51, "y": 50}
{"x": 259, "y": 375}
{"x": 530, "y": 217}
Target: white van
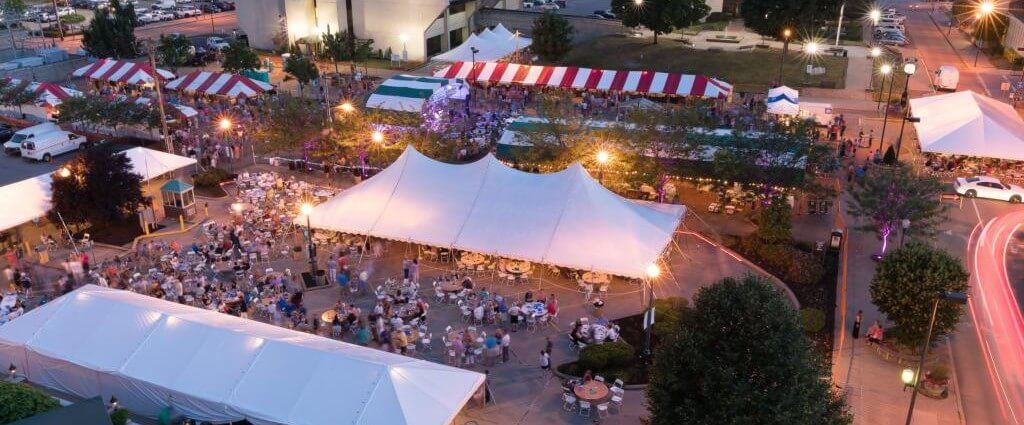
{"x": 46, "y": 146}
{"x": 947, "y": 78}
{"x": 13, "y": 146}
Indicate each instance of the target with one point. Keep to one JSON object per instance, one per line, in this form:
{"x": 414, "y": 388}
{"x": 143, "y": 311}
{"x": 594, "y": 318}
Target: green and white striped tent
{"x": 406, "y": 93}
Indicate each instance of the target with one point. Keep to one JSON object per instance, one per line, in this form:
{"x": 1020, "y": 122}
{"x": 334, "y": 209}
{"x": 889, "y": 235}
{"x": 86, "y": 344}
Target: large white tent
{"x": 967, "y": 123}
{"x": 491, "y": 45}
{"x": 151, "y": 354}
{"x": 33, "y": 194}
{"x": 564, "y": 218}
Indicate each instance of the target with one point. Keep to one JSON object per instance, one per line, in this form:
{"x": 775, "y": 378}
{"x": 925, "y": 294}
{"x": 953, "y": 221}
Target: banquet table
{"x": 328, "y": 316}
{"x": 452, "y": 286}
{"x": 591, "y": 391}
{"x": 596, "y": 278}
{"x": 459, "y": 333}
{"x": 536, "y": 308}
{"x": 518, "y": 267}
{"x": 471, "y": 259}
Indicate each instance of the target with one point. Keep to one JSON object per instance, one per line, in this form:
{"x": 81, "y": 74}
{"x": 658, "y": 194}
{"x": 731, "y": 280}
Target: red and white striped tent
{"x": 648, "y": 82}
{"x": 117, "y": 71}
{"x": 186, "y": 111}
{"x": 216, "y": 83}
{"x": 51, "y": 94}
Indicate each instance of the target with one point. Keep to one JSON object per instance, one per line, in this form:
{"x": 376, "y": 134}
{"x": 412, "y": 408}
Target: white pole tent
{"x": 33, "y": 194}
{"x": 565, "y": 218}
{"x": 783, "y": 100}
{"x": 967, "y": 123}
{"x": 151, "y": 354}
{"x": 509, "y": 35}
{"x": 490, "y": 45}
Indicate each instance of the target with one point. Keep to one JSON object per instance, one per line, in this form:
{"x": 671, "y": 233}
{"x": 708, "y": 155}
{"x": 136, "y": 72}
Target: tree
{"x": 14, "y": 12}
{"x": 775, "y": 225}
{"x": 238, "y": 57}
{"x": 888, "y": 195}
{"x": 906, "y": 284}
{"x": 72, "y": 19}
{"x": 660, "y": 16}
{"x": 338, "y": 47}
{"x": 101, "y": 187}
{"x": 301, "y": 68}
{"x": 19, "y": 401}
{"x": 174, "y": 50}
{"x": 746, "y": 361}
{"x": 552, "y": 36}
{"x": 287, "y": 124}
{"x": 769, "y": 17}
{"x": 111, "y": 33}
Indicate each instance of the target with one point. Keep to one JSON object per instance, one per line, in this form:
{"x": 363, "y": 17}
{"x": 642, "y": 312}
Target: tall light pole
{"x": 786, "y": 33}
{"x": 307, "y": 210}
{"x": 875, "y": 15}
{"x": 984, "y": 10}
{"x": 885, "y": 70}
{"x": 839, "y": 25}
{"x": 652, "y": 273}
{"x": 957, "y": 297}
{"x": 908, "y": 69}
{"x": 810, "y": 50}
{"x": 885, "y": 116}
{"x": 164, "y": 131}
{"x": 602, "y": 158}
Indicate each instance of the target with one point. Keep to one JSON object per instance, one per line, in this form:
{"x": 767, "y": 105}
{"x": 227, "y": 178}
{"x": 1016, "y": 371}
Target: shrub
{"x": 812, "y": 319}
{"x": 19, "y": 401}
{"x": 602, "y": 357}
{"x": 211, "y": 177}
{"x": 669, "y": 312}
{"x": 120, "y": 417}
{"x": 783, "y": 260}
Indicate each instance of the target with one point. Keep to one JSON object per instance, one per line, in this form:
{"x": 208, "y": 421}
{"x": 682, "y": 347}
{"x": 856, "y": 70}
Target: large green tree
{"x": 660, "y": 16}
{"x": 552, "y": 36}
{"x": 100, "y": 187}
{"x": 19, "y": 401}
{"x": 740, "y": 356}
{"x": 769, "y": 17}
{"x": 239, "y": 57}
{"x": 886, "y": 196}
{"x": 13, "y": 13}
{"x": 97, "y": 111}
{"x": 338, "y": 47}
{"x": 301, "y": 67}
{"x": 174, "y": 50}
{"x": 111, "y": 33}
{"x": 906, "y": 284}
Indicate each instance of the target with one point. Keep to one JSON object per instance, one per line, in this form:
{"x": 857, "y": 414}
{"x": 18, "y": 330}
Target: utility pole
{"x": 60, "y": 28}
{"x": 160, "y": 101}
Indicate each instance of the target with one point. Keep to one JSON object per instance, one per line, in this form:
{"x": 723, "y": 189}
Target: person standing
{"x": 414, "y": 270}
{"x": 506, "y": 344}
{"x": 332, "y": 269}
{"x": 856, "y": 323}
{"x": 548, "y": 345}
{"x": 545, "y": 361}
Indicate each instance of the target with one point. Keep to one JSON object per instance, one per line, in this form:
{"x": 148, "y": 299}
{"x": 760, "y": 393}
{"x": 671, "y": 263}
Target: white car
{"x": 216, "y": 43}
{"x": 65, "y": 11}
{"x": 147, "y": 18}
{"x": 988, "y": 187}
{"x": 186, "y": 11}
{"x": 163, "y": 16}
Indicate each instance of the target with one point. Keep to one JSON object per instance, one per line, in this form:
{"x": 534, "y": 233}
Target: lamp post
{"x": 602, "y": 158}
{"x": 875, "y": 53}
{"x": 908, "y": 69}
{"x": 957, "y": 297}
{"x": 885, "y": 116}
{"x": 652, "y": 273}
{"x": 875, "y": 15}
{"x": 885, "y": 70}
{"x": 810, "y": 49}
{"x": 786, "y": 33}
{"x": 984, "y": 10}
{"x": 904, "y": 225}
{"x": 307, "y": 210}
{"x": 472, "y": 71}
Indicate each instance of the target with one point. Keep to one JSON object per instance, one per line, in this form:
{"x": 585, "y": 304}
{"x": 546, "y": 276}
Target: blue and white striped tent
{"x": 783, "y": 100}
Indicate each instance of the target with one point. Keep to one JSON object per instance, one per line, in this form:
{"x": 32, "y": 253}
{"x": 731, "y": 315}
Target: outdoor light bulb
{"x": 987, "y": 7}
{"x": 812, "y": 48}
{"x": 875, "y": 15}
{"x": 65, "y": 172}
{"x": 307, "y": 208}
{"x": 603, "y": 157}
{"x": 907, "y": 376}
{"x": 378, "y": 136}
{"x": 885, "y": 69}
{"x": 909, "y": 68}
{"x": 787, "y": 32}
{"x": 875, "y": 52}
{"x": 653, "y": 271}
{"x": 638, "y": 2}
{"x": 237, "y": 207}
{"x": 225, "y": 123}
{"x": 347, "y": 107}
{"x": 403, "y": 37}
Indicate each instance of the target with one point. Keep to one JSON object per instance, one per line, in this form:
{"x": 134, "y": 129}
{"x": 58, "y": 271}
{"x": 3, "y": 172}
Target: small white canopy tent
{"x": 967, "y": 123}
{"x": 407, "y": 93}
{"x": 491, "y": 45}
{"x": 783, "y": 100}
{"x": 565, "y": 218}
{"x": 33, "y": 194}
{"x": 151, "y": 353}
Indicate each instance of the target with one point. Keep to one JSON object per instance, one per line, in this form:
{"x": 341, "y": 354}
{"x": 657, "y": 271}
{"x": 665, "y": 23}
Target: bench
{"x": 724, "y": 39}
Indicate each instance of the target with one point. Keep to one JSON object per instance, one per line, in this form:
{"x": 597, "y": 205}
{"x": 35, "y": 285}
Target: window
{"x": 455, "y": 37}
{"x": 434, "y": 45}
{"x": 456, "y": 8}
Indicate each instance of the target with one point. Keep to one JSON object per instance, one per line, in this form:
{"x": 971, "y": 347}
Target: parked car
{"x": 208, "y": 8}
{"x": 13, "y": 145}
{"x": 45, "y": 16}
{"x": 224, "y": 5}
{"x": 550, "y": 6}
{"x": 604, "y": 14}
{"x": 186, "y": 11}
{"x": 988, "y": 187}
{"x": 147, "y": 18}
{"x": 6, "y": 132}
{"x": 216, "y": 44}
{"x": 892, "y": 40}
{"x": 162, "y": 15}
{"x": 49, "y": 145}
{"x": 65, "y": 11}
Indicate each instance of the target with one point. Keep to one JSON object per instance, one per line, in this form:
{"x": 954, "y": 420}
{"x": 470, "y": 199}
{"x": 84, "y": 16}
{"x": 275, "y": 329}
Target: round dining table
{"x": 591, "y": 391}
{"x": 538, "y": 309}
{"x": 518, "y": 267}
{"x": 451, "y": 286}
{"x": 595, "y": 278}
{"x": 471, "y": 259}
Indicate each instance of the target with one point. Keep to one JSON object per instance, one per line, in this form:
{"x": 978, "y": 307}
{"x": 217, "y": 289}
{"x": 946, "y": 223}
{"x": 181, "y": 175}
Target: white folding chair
{"x": 584, "y": 408}
{"x": 602, "y": 410}
{"x": 568, "y": 402}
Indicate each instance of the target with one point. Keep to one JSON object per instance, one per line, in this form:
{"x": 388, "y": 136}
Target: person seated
{"x": 603, "y": 321}
{"x": 588, "y": 376}
{"x": 467, "y": 283}
{"x": 528, "y": 297}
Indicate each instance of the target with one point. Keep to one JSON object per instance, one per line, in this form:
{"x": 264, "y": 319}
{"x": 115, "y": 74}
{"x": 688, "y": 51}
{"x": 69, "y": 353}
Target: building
{"x": 413, "y": 29}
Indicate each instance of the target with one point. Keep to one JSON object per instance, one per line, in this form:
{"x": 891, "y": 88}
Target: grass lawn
{"x": 750, "y": 70}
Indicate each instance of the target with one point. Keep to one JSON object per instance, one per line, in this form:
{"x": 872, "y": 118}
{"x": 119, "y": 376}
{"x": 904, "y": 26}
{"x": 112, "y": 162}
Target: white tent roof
{"x": 491, "y": 45}
{"x": 783, "y": 100}
{"x": 33, "y": 194}
{"x": 564, "y": 218}
{"x": 152, "y": 353}
{"x": 967, "y": 123}
{"x": 406, "y": 93}
{"x": 500, "y": 30}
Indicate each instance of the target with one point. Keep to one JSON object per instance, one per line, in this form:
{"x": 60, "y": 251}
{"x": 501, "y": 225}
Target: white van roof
{"x": 948, "y": 68}
{"x": 39, "y": 128}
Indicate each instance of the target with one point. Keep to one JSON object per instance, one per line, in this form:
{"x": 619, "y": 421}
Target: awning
{"x": 52, "y": 94}
{"x": 218, "y": 83}
{"x": 646, "y": 82}
{"x": 215, "y": 367}
{"x": 186, "y": 111}
{"x": 783, "y": 100}
{"x": 565, "y": 218}
{"x": 125, "y": 72}
{"x": 405, "y": 93}
{"x": 967, "y": 123}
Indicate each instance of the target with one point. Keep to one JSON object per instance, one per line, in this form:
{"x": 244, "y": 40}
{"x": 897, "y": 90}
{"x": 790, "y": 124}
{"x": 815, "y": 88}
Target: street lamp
{"x": 64, "y": 172}
{"x": 810, "y": 49}
{"x": 908, "y": 69}
{"x": 875, "y": 53}
{"x": 602, "y": 158}
{"x": 984, "y": 9}
{"x": 907, "y": 376}
{"x": 347, "y": 107}
{"x": 875, "y": 15}
{"x": 307, "y": 209}
{"x": 786, "y": 33}
{"x": 653, "y": 271}
{"x": 956, "y": 297}
{"x": 224, "y": 124}
{"x": 236, "y": 207}
{"x": 885, "y": 70}
{"x": 638, "y": 2}
{"x": 377, "y": 136}
{"x": 888, "y": 97}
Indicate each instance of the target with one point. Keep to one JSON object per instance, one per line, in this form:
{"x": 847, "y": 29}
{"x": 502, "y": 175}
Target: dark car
{"x": 225, "y": 6}
{"x": 208, "y": 8}
{"x": 6, "y": 132}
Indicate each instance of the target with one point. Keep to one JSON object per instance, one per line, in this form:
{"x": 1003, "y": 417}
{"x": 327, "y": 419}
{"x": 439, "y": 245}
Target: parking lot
{"x": 16, "y": 168}
{"x": 577, "y": 7}
{"x": 41, "y": 16}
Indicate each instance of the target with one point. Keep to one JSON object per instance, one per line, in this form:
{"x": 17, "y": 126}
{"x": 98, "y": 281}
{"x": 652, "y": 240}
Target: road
{"x": 217, "y": 23}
